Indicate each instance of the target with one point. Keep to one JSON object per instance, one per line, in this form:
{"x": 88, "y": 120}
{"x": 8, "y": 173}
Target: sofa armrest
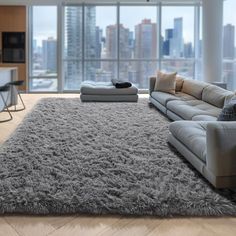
{"x": 221, "y": 148}
{"x": 152, "y": 81}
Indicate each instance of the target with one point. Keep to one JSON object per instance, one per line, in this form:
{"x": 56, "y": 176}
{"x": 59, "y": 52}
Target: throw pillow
{"x": 165, "y": 82}
{"x": 229, "y": 112}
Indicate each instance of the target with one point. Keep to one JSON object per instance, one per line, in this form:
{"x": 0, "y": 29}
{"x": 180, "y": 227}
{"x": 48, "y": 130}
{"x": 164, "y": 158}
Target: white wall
{"x": 212, "y": 40}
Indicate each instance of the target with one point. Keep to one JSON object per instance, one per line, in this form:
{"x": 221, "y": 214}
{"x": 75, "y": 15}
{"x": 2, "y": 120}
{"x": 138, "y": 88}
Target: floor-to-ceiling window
{"x": 178, "y": 49}
{"x": 229, "y": 42}
{"x": 43, "y": 71}
{"x": 103, "y": 41}
{"x": 138, "y": 44}
{"x": 198, "y": 43}
{"x": 90, "y": 44}
{"x": 73, "y": 47}
{"x": 100, "y": 43}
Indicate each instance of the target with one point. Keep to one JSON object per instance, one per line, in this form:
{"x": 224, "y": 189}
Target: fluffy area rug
{"x": 101, "y": 158}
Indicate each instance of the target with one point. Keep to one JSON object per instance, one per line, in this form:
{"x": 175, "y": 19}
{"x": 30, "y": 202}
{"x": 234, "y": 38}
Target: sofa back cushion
{"x": 194, "y": 88}
{"x": 215, "y": 95}
{"x": 179, "y": 83}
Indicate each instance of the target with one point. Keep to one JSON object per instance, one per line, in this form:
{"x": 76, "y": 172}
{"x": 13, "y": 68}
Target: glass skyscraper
{"x": 177, "y": 45}
{"x": 74, "y": 45}
{"x": 50, "y": 55}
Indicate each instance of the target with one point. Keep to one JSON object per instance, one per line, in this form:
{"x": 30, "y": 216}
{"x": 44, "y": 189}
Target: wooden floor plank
{"x": 59, "y": 221}
{"x": 179, "y": 227}
{"x": 220, "y": 226}
{"x": 31, "y": 226}
{"x": 6, "y": 229}
{"x": 132, "y": 227}
{"x": 86, "y": 226}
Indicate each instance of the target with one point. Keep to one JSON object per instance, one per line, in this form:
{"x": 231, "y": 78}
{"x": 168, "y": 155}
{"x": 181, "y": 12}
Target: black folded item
{"x": 121, "y": 84}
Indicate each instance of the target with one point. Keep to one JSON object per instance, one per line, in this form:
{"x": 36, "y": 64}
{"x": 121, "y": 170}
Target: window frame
{"x": 60, "y": 40}
{"x": 228, "y": 64}
{"x": 31, "y": 77}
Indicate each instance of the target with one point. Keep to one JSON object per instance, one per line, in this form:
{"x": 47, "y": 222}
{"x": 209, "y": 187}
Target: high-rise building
{"x": 74, "y": 44}
{"x": 228, "y": 41}
{"x": 111, "y": 41}
{"x": 98, "y": 47}
{"x": 146, "y": 39}
{"x": 110, "y": 52}
{"x": 167, "y": 41}
{"x": 188, "y": 50}
{"x": 73, "y": 48}
{"x": 50, "y": 55}
{"x": 131, "y": 40}
{"x": 125, "y": 45}
{"x": 145, "y": 47}
{"x": 90, "y": 32}
{"x": 90, "y": 42}
{"x": 177, "y": 43}
{"x": 34, "y": 45}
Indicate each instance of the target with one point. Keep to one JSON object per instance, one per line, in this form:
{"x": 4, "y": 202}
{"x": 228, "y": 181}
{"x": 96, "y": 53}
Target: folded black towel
{"x": 121, "y": 84}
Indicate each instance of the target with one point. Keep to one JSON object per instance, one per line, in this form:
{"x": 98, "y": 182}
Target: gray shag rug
{"x": 101, "y": 158}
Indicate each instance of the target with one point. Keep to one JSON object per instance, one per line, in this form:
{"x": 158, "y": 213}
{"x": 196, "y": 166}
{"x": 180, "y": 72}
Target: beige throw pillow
{"x": 165, "y": 82}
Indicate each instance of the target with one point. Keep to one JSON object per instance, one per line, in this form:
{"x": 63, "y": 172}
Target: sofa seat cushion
{"x": 192, "y": 135}
{"x": 105, "y": 88}
{"x": 188, "y": 109}
{"x": 215, "y": 95}
{"x": 163, "y": 98}
{"x": 185, "y": 96}
{"x": 204, "y": 118}
{"x": 194, "y": 88}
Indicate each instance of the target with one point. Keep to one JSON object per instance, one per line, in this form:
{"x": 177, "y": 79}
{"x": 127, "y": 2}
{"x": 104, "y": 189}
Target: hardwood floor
{"x": 102, "y": 226}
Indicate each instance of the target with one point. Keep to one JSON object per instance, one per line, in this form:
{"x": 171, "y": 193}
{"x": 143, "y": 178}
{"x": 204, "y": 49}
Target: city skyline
{"x": 44, "y": 25}
{"x": 122, "y": 27}
{"x": 138, "y": 39}
{"x": 140, "y": 42}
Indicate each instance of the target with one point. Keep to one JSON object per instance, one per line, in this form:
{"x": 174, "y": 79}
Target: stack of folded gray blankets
{"x": 113, "y": 91}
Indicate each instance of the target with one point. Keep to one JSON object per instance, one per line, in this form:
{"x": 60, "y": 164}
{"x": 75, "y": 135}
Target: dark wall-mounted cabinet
{"x": 13, "y": 47}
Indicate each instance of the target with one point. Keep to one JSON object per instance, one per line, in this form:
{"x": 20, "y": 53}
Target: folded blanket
{"x": 121, "y": 84}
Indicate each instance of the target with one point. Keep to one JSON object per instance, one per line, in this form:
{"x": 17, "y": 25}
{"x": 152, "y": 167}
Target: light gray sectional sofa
{"x": 209, "y": 145}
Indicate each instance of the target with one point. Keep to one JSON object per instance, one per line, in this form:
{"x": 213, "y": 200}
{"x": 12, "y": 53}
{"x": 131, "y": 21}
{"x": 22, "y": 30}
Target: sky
{"x": 229, "y": 11}
{"x": 44, "y": 22}
{"x": 45, "y": 18}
